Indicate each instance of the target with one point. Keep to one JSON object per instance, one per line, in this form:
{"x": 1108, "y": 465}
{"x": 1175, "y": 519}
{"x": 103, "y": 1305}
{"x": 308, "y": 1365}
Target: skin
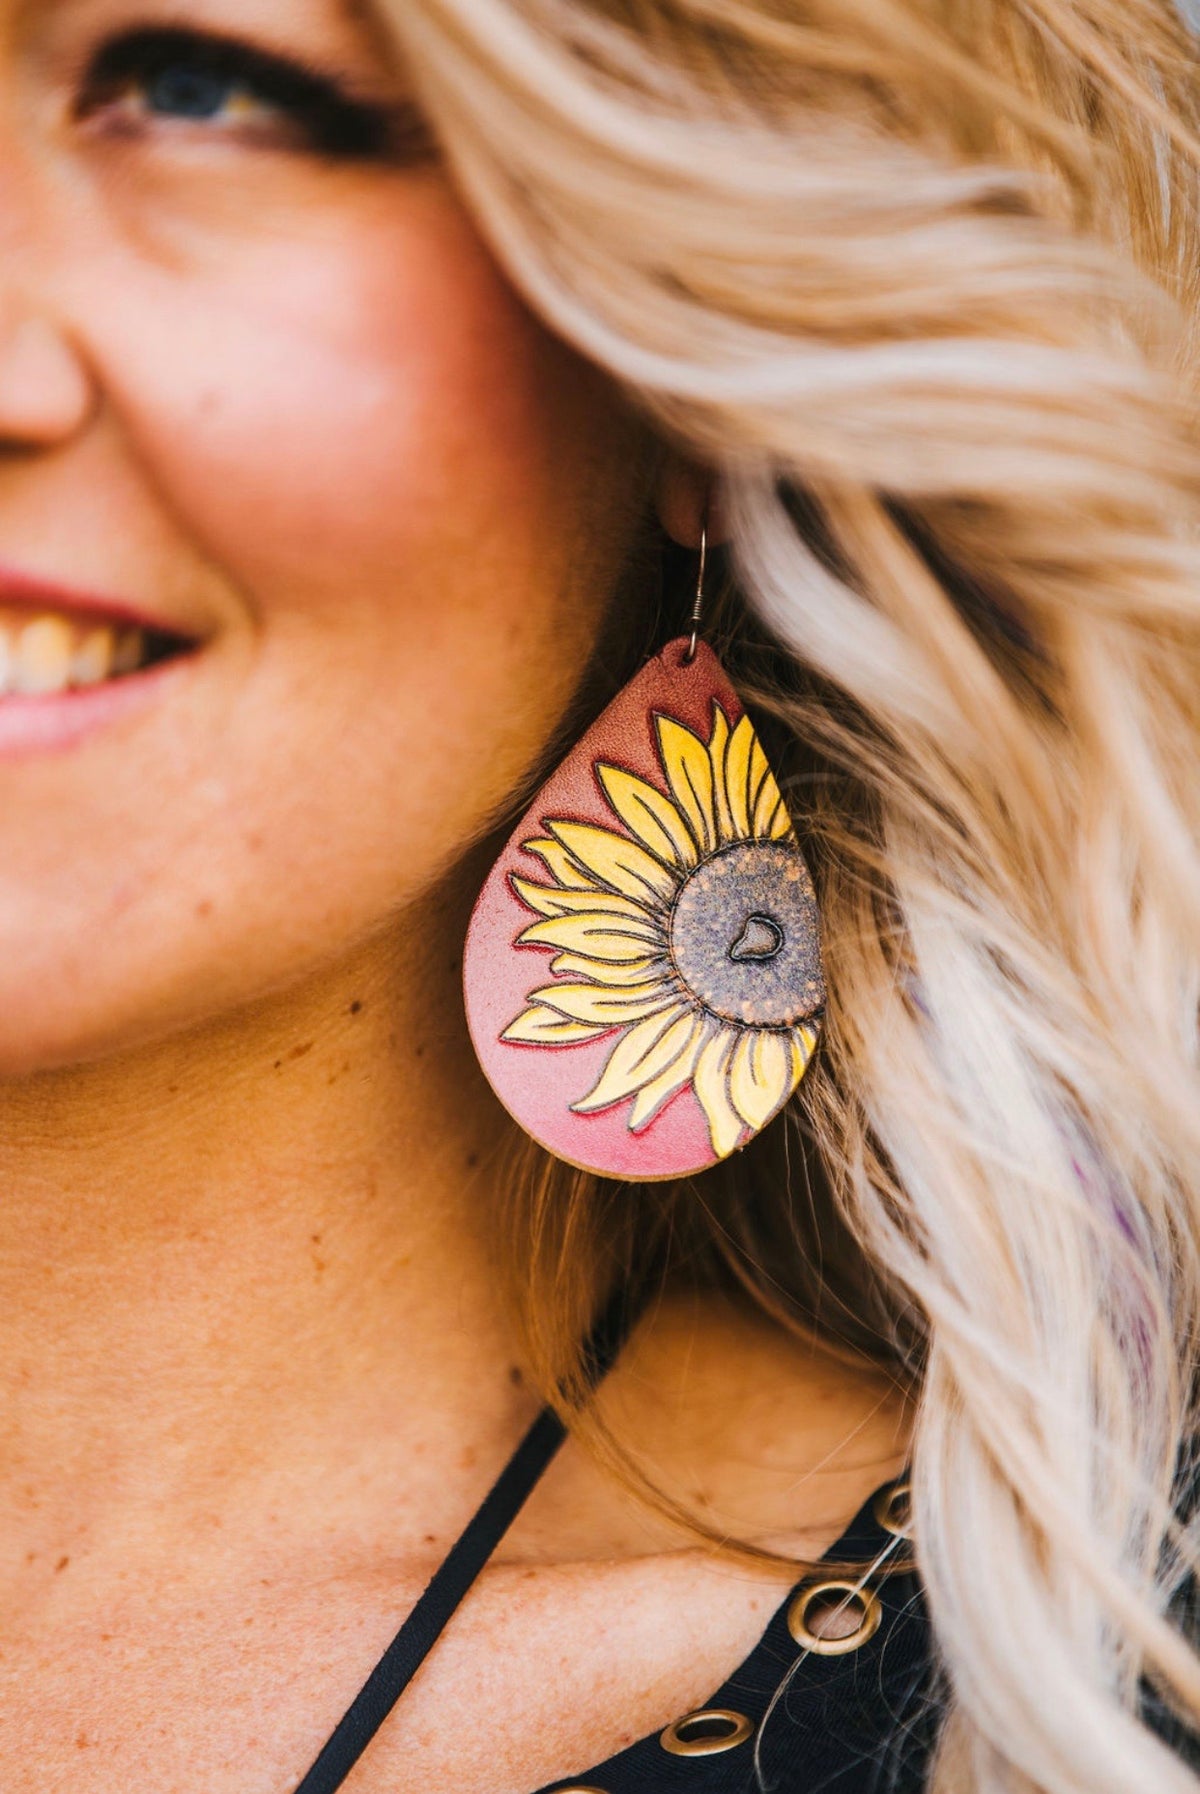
{"x": 255, "y": 1370}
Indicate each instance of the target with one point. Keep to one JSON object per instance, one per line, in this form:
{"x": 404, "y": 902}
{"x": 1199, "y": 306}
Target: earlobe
{"x": 688, "y": 502}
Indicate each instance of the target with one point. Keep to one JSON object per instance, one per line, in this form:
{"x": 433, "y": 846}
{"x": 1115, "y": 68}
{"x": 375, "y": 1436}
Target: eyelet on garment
{"x": 892, "y": 1509}
{"x": 846, "y": 1597}
{"x": 706, "y": 1733}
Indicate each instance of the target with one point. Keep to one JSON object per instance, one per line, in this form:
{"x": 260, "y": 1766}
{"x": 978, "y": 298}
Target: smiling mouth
{"x": 47, "y": 653}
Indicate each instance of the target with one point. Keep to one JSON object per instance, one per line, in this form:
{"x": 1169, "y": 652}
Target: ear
{"x": 688, "y": 501}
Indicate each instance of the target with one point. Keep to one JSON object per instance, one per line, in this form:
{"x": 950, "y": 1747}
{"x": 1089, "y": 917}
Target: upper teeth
{"x": 40, "y": 655}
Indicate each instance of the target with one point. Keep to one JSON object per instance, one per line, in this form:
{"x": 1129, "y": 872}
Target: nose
{"x": 46, "y": 391}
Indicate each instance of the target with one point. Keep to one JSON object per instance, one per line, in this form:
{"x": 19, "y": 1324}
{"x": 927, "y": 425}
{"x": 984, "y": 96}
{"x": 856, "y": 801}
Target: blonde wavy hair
{"x": 917, "y": 279}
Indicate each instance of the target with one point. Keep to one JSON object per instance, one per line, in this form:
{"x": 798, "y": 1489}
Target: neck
{"x": 265, "y": 1239}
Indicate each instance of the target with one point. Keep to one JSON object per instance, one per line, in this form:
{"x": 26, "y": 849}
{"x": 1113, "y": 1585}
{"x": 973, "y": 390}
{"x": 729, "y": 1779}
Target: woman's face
{"x": 262, "y": 391}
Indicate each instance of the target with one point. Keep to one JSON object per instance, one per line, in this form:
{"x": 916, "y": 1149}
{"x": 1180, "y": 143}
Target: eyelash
{"x": 325, "y": 119}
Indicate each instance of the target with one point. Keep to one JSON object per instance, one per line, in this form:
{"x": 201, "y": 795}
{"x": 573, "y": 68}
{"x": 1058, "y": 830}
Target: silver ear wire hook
{"x": 698, "y": 605}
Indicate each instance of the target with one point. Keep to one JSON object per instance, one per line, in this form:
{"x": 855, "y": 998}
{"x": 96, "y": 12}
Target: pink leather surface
{"x": 538, "y": 1083}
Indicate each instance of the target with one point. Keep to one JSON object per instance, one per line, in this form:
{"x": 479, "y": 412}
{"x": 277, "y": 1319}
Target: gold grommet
{"x": 845, "y": 1597}
{"x": 706, "y": 1733}
{"x": 579, "y": 1788}
{"x": 893, "y": 1510}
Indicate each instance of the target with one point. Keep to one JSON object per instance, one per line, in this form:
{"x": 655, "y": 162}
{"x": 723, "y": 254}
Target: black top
{"x": 805, "y": 1713}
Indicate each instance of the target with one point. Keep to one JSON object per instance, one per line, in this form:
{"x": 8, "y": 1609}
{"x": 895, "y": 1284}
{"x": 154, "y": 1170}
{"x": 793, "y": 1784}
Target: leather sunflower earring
{"x": 642, "y": 970}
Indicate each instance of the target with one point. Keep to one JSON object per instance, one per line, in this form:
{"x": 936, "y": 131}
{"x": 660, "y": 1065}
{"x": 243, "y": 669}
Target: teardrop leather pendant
{"x": 642, "y": 970}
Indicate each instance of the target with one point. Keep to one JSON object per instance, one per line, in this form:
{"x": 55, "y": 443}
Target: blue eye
{"x": 183, "y": 90}
{"x": 176, "y": 73}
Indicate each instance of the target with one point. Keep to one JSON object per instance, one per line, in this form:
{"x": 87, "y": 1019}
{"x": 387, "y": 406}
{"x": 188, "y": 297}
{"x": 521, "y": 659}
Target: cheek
{"x": 398, "y": 476}
{"x": 369, "y": 436}
{"x": 335, "y": 403}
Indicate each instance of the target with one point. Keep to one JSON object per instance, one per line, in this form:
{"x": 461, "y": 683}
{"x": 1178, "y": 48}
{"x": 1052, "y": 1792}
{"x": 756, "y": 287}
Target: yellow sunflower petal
{"x": 548, "y": 901}
{"x": 611, "y": 1005}
{"x": 761, "y": 1076}
{"x": 737, "y": 775}
{"x": 689, "y": 774}
{"x": 617, "y": 862}
{"x": 654, "y": 1096}
{"x": 710, "y": 1080}
{"x": 599, "y": 936}
{"x": 545, "y": 1027}
{"x": 779, "y": 828}
{"x": 642, "y": 1054}
{"x": 648, "y": 815}
{"x": 804, "y": 1045}
{"x": 559, "y": 864}
{"x": 717, "y": 744}
{"x": 633, "y": 971}
{"x": 758, "y": 772}
{"x": 767, "y": 805}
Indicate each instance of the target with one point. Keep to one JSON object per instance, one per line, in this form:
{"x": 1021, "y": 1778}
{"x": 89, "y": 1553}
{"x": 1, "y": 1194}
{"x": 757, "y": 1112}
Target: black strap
{"x": 453, "y": 1579}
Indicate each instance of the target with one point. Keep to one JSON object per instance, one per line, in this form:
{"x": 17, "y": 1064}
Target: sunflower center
{"x": 743, "y": 936}
{"x": 761, "y": 938}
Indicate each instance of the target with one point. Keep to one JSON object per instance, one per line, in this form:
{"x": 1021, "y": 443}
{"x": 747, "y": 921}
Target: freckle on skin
{"x": 472, "y": 1160}
{"x": 356, "y": 1007}
{"x": 515, "y": 1377}
{"x": 204, "y": 908}
{"x": 298, "y": 1052}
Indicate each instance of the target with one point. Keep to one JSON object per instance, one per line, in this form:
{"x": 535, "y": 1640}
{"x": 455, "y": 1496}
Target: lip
{"x": 26, "y": 591}
{"x": 58, "y": 721}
